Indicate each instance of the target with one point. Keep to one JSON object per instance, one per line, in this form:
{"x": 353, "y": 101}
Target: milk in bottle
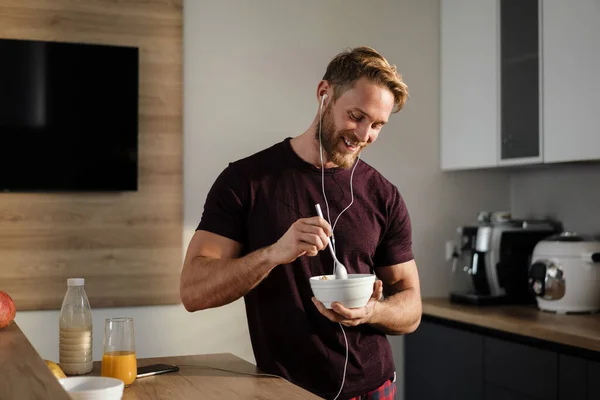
{"x": 75, "y": 330}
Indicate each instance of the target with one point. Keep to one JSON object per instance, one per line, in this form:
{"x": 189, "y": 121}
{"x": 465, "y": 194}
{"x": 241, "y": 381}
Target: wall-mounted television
{"x": 68, "y": 117}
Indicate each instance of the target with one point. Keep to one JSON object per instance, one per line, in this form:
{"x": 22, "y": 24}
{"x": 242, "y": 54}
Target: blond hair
{"x": 365, "y": 62}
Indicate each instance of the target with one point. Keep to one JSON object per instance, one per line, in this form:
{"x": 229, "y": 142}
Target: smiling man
{"x": 259, "y": 238}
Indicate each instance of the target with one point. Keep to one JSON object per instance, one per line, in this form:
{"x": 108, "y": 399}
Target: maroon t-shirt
{"x": 254, "y": 201}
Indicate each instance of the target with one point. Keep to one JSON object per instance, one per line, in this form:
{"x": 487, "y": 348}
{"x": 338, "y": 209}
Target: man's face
{"x": 354, "y": 121}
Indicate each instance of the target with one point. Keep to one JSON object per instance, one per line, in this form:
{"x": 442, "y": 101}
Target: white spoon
{"x": 340, "y": 270}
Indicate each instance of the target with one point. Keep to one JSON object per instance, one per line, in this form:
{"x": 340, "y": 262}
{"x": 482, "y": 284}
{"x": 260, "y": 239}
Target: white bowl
{"x": 353, "y": 292}
{"x": 93, "y": 387}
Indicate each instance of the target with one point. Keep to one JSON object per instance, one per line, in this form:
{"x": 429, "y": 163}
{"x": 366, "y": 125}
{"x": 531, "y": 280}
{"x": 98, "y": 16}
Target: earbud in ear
{"x": 323, "y": 97}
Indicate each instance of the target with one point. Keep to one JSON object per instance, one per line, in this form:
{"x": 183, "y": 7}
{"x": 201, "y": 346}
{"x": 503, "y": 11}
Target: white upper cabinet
{"x": 490, "y": 83}
{"x": 520, "y": 82}
{"x": 469, "y": 89}
{"x": 571, "y": 59}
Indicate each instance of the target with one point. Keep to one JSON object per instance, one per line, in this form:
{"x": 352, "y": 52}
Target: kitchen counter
{"x": 581, "y": 331}
{"x": 209, "y": 376}
{"x": 24, "y": 375}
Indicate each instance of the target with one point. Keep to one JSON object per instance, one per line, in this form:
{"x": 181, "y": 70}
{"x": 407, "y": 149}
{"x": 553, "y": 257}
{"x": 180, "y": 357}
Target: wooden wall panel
{"x": 127, "y": 245}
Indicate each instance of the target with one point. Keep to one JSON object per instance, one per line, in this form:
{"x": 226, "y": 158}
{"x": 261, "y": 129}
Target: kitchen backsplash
{"x": 567, "y": 192}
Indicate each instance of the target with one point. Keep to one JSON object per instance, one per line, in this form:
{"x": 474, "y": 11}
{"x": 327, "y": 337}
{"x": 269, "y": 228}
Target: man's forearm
{"x": 207, "y": 282}
{"x": 399, "y": 313}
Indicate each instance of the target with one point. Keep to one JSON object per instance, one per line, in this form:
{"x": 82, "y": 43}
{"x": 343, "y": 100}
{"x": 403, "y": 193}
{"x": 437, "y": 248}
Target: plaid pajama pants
{"x": 387, "y": 391}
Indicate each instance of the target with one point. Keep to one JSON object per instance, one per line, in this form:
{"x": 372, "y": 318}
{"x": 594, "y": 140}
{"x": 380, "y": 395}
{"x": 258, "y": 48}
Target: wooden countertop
{"x": 23, "y": 373}
{"x": 209, "y": 376}
{"x": 581, "y": 331}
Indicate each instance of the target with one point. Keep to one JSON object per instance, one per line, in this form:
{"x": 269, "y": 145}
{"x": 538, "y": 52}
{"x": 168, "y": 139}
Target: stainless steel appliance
{"x": 495, "y": 254}
{"x": 565, "y": 273}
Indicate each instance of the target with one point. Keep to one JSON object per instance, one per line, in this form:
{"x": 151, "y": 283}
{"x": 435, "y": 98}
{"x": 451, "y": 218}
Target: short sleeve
{"x": 224, "y": 207}
{"x": 396, "y": 244}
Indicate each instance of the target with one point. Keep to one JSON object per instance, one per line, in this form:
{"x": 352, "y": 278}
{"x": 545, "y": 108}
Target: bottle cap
{"x": 75, "y": 282}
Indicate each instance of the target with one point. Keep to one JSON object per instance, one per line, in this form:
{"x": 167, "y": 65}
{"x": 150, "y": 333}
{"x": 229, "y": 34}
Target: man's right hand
{"x": 305, "y": 236}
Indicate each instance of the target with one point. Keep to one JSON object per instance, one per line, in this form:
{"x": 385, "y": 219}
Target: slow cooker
{"x": 564, "y": 274}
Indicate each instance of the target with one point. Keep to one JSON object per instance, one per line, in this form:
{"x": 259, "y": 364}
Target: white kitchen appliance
{"x": 564, "y": 273}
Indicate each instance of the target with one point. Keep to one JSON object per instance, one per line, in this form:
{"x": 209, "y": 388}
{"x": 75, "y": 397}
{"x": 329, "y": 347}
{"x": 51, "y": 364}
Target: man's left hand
{"x": 352, "y": 316}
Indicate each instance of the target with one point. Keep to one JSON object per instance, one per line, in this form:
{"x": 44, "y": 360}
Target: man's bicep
{"x": 399, "y": 277}
{"x": 208, "y": 244}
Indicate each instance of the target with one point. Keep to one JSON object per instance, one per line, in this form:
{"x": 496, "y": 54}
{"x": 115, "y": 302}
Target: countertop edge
{"x": 518, "y": 320}
{"x": 23, "y": 372}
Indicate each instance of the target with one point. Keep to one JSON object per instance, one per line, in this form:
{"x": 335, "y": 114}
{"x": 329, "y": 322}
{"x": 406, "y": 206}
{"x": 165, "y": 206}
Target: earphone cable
{"x": 332, "y": 241}
{"x": 323, "y": 182}
{"x": 345, "y": 363}
{"x": 351, "y": 195}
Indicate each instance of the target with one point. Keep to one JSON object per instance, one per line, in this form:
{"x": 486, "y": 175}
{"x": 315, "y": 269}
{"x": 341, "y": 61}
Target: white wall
{"x": 159, "y": 330}
{"x": 567, "y": 192}
{"x": 250, "y": 74}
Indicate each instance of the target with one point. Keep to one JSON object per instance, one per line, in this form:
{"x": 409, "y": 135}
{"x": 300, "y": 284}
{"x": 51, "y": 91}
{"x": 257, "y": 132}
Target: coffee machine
{"x": 495, "y": 254}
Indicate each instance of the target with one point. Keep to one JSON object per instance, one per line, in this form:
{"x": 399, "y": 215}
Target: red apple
{"x": 7, "y": 310}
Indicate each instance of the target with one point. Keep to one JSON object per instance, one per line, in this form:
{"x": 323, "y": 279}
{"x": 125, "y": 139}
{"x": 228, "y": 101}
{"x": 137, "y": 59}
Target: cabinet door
{"x": 572, "y": 377}
{"x": 571, "y": 64}
{"x": 519, "y": 82}
{"x": 443, "y": 363}
{"x": 469, "y": 90}
{"x": 520, "y": 368}
{"x": 593, "y": 380}
{"x": 495, "y": 392}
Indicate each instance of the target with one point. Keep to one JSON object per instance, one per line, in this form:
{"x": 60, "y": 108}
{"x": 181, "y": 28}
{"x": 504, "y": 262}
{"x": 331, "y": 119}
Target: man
{"x": 259, "y": 238}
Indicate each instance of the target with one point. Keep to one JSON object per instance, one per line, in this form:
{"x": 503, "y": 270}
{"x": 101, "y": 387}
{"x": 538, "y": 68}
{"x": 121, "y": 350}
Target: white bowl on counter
{"x": 93, "y": 387}
{"x": 353, "y": 292}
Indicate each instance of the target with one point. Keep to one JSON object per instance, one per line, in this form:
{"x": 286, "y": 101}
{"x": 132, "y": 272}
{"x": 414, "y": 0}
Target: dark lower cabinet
{"x": 520, "y": 368}
{"x": 572, "y": 378}
{"x": 445, "y": 360}
{"x": 495, "y": 392}
{"x": 443, "y": 363}
{"x": 593, "y": 380}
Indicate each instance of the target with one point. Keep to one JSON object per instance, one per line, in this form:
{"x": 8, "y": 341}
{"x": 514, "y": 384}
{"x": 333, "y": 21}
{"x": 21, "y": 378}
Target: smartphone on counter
{"x": 156, "y": 369}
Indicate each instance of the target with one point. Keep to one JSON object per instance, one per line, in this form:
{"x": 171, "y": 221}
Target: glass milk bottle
{"x": 75, "y": 330}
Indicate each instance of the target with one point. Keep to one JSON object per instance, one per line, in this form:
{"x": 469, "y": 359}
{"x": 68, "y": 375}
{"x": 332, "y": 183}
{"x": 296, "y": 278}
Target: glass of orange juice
{"x": 118, "y": 359}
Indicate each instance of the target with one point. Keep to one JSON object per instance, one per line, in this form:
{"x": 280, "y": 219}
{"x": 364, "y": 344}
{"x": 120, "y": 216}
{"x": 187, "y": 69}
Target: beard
{"x": 331, "y": 138}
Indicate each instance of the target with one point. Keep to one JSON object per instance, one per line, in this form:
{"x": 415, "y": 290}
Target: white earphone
{"x": 323, "y": 97}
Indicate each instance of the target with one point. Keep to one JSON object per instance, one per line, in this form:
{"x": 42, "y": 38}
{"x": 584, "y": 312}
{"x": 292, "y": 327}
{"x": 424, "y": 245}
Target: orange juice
{"x": 121, "y": 365}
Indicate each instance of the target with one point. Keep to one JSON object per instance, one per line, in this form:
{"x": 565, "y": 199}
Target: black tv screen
{"x": 68, "y": 116}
